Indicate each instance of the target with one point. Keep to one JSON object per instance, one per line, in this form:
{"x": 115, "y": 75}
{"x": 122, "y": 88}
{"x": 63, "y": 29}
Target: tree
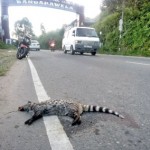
{"x": 23, "y": 27}
{"x": 56, "y": 35}
{"x": 43, "y": 29}
{"x": 136, "y": 27}
{"x": 115, "y": 5}
{"x": 111, "y": 5}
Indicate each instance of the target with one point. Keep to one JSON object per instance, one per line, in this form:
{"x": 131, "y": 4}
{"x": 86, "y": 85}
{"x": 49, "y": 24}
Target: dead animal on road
{"x": 62, "y": 108}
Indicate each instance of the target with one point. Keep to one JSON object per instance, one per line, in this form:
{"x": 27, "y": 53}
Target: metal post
{"x": 121, "y": 23}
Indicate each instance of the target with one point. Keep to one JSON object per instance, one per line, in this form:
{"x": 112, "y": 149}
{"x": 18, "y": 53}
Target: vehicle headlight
{"x": 96, "y": 43}
{"x": 78, "y": 42}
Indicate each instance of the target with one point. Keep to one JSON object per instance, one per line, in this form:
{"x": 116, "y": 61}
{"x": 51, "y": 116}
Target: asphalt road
{"x": 120, "y": 83}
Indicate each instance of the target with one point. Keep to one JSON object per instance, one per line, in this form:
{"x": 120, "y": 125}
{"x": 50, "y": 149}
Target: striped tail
{"x": 91, "y": 108}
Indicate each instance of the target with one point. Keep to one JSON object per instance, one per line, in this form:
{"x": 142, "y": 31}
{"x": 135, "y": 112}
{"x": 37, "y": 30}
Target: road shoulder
{"x": 16, "y": 89}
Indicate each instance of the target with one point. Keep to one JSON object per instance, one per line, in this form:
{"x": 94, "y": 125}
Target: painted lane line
{"x": 131, "y": 62}
{"x": 55, "y": 132}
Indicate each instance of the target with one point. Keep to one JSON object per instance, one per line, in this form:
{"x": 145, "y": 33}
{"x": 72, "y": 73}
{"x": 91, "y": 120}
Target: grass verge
{"x": 7, "y": 59}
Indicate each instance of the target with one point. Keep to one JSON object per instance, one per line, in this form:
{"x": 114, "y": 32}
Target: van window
{"x": 85, "y": 32}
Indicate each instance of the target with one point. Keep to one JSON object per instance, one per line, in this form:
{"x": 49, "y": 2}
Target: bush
{"x": 135, "y": 35}
{"x": 56, "y": 35}
{"x": 6, "y": 46}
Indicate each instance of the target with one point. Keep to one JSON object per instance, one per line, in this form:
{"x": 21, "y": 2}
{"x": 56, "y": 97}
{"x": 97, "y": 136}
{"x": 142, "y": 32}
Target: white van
{"x": 80, "y": 39}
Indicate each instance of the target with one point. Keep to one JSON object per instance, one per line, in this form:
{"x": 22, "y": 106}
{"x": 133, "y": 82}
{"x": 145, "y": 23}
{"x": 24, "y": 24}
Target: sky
{"x": 52, "y": 19}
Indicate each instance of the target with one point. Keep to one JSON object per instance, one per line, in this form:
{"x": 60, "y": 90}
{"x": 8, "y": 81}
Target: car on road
{"x": 35, "y": 45}
{"x": 80, "y": 39}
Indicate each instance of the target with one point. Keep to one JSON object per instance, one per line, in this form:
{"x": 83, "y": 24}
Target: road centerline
{"x": 55, "y": 132}
{"x": 137, "y": 63}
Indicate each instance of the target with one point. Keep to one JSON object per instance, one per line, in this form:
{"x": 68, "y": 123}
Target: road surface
{"x": 120, "y": 83}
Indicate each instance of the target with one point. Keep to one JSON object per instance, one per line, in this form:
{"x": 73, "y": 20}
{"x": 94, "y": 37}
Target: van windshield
{"x": 85, "y": 32}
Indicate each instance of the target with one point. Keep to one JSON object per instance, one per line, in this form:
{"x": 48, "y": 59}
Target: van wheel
{"x": 81, "y": 53}
{"x": 65, "y": 51}
{"x": 93, "y": 53}
{"x": 72, "y": 51}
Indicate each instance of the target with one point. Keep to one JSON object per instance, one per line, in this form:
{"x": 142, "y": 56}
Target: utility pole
{"x": 121, "y": 24}
{"x": 121, "y": 21}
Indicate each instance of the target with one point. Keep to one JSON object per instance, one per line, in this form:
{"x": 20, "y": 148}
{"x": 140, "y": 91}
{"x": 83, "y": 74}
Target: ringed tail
{"x": 92, "y": 108}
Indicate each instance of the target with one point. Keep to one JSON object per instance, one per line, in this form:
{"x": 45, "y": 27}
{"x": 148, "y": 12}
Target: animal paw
{"x": 76, "y": 122}
{"x": 79, "y": 122}
{"x": 28, "y": 122}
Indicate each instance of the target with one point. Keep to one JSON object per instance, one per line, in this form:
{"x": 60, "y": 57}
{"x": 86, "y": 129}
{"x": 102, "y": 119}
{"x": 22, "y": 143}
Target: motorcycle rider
{"x": 52, "y": 44}
{"x": 24, "y": 42}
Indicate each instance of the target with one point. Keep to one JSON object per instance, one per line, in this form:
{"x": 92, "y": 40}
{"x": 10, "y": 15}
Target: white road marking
{"x": 138, "y": 63}
{"x": 55, "y": 132}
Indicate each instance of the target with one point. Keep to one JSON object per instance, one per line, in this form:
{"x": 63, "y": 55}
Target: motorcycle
{"x": 23, "y": 47}
{"x": 52, "y": 46}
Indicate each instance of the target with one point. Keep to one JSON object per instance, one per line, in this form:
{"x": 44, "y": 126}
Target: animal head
{"x": 26, "y": 107}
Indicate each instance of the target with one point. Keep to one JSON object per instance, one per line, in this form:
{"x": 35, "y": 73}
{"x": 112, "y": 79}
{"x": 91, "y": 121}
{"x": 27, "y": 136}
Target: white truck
{"x": 80, "y": 39}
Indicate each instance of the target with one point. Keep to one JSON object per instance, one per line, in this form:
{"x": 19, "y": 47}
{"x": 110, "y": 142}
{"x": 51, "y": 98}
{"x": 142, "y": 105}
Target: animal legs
{"x": 32, "y": 119}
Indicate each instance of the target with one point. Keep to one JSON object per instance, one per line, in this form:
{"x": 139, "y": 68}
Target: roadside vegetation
{"x": 23, "y": 27}
{"x": 133, "y": 39}
{"x": 7, "y": 57}
{"x": 7, "y": 51}
{"x": 135, "y": 35}
{"x": 56, "y": 35}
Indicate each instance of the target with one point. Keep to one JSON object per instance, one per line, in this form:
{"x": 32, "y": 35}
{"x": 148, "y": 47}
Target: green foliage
{"x": 7, "y": 58}
{"x": 6, "y": 46}
{"x": 25, "y": 24}
{"x": 136, "y": 28}
{"x": 53, "y": 35}
{"x": 137, "y": 33}
{"x": 110, "y": 34}
{"x": 43, "y": 31}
